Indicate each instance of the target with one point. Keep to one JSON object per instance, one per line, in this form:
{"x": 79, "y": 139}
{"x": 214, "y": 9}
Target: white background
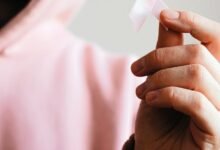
{"x": 106, "y": 22}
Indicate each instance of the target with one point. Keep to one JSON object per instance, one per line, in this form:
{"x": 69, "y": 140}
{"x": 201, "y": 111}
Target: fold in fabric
{"x": 143, "y": 8}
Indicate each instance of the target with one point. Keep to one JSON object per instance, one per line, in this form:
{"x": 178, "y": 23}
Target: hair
{"x": 10, "y": 8}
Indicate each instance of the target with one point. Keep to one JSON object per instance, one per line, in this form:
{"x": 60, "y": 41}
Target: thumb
{"x": 201, "y": 28}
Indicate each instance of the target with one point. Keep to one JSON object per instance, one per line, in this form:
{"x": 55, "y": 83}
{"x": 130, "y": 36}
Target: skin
{"x": 9, "y": 9}
{"x": 180, "y": 106}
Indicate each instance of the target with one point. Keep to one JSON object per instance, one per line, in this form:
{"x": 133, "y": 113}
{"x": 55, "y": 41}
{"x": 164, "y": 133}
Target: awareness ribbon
{"x": 143, "y": 8}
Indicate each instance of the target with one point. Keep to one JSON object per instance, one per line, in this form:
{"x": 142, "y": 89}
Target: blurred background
{"x": 106, "y": 22}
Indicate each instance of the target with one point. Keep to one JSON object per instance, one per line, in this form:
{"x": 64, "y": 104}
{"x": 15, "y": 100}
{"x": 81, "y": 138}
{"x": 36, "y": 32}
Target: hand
{"x": 181, "y": 107}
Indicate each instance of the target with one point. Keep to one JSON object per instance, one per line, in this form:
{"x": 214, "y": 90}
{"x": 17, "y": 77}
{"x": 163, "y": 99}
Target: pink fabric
{"x": 58, "y": 92}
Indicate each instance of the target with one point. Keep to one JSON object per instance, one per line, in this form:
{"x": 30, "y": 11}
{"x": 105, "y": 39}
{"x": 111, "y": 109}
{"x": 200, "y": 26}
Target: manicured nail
{"x": 151, "y": 97}
{"x": 138, "y": 66}
{"x": 171, "y": 14}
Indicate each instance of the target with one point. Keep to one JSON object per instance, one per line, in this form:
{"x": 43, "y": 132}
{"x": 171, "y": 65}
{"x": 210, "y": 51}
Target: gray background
{"x": 106, "y": 22}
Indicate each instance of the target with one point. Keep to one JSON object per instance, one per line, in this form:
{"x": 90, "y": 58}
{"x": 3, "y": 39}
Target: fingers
{"x": 199, "y": 27}
{"x": 191, "y": 103}
{"x": 167, "y": 38}
{"x": 203, "y": 29}
{"x": 176, "y": 56}
{"x": 193, "y": 77}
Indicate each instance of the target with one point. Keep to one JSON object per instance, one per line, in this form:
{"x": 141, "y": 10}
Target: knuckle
{"x": 158, "y": 56}
{"x": 160, "y": 76}
{"x": 198, "y": 102}
{"x": 197, "y": 53}
{"x": 189, "y": 18}
{"x": 170, "y": 91}
{"x": 196, "y": 72}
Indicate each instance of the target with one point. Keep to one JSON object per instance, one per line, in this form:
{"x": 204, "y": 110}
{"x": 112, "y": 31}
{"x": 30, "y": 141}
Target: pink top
{"x": 58, "y": 92}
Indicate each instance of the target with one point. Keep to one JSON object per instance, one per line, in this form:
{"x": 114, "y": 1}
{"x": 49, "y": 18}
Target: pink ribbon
{"x": 143, "y": 8}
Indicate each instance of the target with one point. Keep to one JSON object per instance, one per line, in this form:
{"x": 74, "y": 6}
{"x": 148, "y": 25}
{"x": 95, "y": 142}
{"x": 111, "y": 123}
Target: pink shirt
{"x": 58, "y": 92}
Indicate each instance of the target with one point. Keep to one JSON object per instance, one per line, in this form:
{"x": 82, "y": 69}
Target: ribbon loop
{"x": 143, "y": 8}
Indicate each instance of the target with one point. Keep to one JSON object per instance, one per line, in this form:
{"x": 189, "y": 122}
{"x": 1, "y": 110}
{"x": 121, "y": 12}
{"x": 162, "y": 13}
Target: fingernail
{"x": 171, "y": 14}
{"x": 151, "y": 97}
{"x": 137, "y": 66}
{"x": 140, "y": 90}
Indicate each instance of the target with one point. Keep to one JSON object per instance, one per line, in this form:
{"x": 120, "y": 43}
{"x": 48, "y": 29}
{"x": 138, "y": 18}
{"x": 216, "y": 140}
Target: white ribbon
{"x": 143, "y": 8}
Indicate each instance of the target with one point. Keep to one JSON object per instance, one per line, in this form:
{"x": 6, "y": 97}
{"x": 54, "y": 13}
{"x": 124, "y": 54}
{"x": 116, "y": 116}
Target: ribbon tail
{"x": 139, "y": 14}
{"x": 140, "y": 11}
{"x": 158, "y": 7}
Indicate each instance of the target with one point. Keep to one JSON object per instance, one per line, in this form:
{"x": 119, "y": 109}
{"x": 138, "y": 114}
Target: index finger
{"x": 169, "y": 57}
